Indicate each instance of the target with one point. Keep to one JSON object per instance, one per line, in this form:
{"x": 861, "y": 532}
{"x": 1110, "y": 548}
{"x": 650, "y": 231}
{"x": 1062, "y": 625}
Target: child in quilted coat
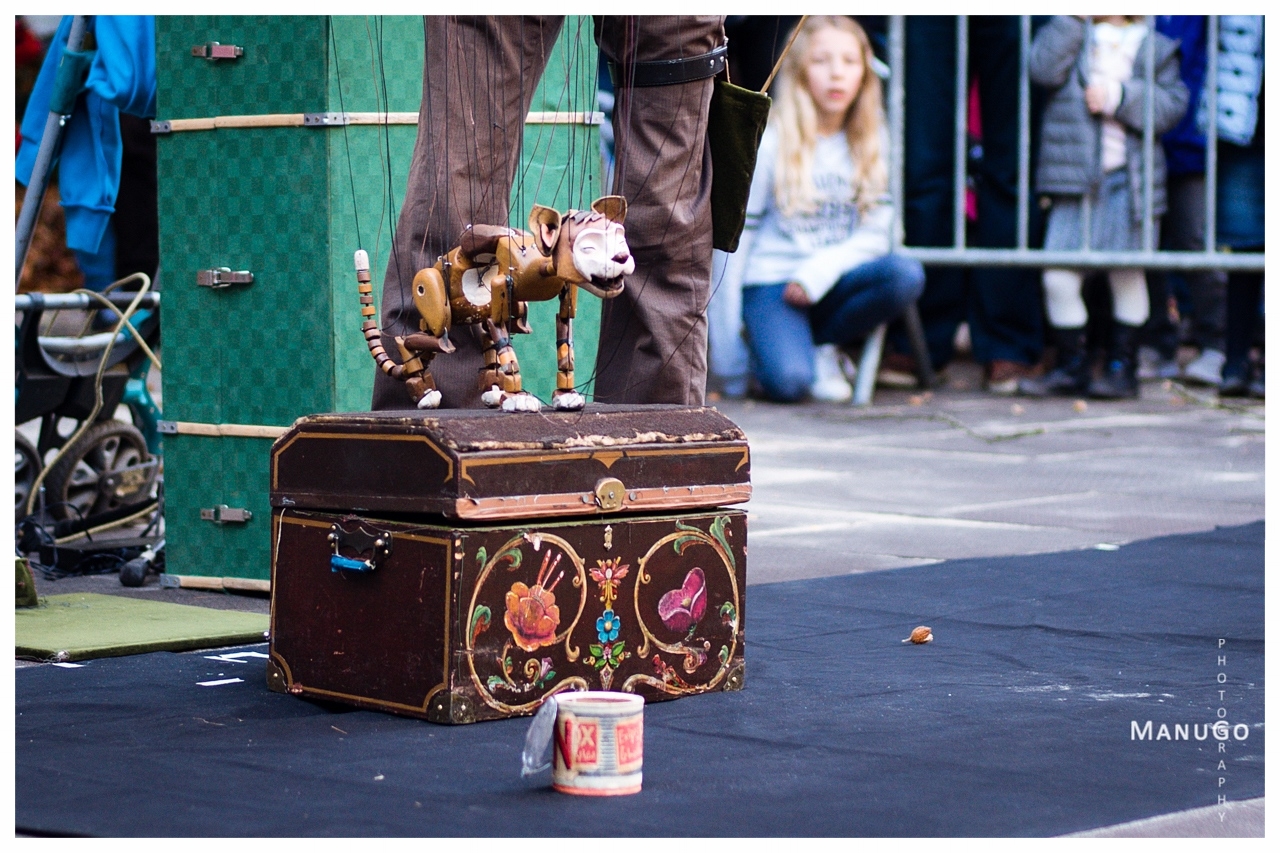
{"x": 1091, "y": 168}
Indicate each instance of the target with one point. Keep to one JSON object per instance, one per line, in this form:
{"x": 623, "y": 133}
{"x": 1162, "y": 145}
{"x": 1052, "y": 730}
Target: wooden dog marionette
{"x": 487, "y": 281}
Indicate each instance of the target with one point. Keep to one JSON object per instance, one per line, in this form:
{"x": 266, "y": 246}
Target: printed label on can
{"x": 630, "y": 738}
{"x": 587, "y": 752}
{"x": 599, "y": 743}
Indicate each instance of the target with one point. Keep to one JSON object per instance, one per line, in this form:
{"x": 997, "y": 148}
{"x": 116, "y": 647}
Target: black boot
{"x": 1070, "y": 375}
{"x": 1120, "y": 378}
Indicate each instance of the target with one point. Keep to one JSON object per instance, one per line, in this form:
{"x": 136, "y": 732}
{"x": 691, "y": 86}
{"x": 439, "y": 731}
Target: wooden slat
{"x": 217, "y": 122}
{"x": 230, "y": 430}
{"x": 220, "y": 584}
{"x": 246, "y": 584}
{"x": 179, "y": 125}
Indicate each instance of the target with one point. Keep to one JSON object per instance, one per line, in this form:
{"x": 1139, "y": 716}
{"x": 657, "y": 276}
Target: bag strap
{"x": 785, "y": 51}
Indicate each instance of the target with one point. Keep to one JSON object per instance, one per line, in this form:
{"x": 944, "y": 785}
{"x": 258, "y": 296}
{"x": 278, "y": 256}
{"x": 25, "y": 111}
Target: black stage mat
{"x": 1017, "y": 720}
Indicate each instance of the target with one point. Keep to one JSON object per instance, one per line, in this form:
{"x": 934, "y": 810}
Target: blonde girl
{"x": 813, "y": 265}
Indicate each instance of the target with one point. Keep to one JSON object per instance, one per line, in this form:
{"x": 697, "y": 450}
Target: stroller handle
{"x": 68, "y": 301}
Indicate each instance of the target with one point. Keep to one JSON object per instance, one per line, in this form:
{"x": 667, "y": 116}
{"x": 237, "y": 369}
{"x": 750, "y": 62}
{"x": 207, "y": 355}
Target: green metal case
{"x": 290, "y": 204}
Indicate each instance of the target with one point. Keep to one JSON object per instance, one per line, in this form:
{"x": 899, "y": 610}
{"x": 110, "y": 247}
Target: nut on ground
{"x": 922, "y": 634}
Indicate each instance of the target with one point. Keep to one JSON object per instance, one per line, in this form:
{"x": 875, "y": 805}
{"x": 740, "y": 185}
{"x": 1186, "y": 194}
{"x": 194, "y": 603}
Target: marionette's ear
{"x": 544, "y": 222}
{"x": 614, "y": 207}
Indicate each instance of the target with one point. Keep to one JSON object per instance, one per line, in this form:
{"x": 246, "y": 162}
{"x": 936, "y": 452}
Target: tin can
{"x": 599, "y": 743}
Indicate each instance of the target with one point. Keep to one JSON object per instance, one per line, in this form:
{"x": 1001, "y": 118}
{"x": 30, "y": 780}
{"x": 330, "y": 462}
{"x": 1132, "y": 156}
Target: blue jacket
{"x": 1184, "y": 143}
{"x": 122, "y": 78}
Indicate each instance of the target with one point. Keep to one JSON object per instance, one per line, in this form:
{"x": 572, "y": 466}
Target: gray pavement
{"x": 919, "y": 478}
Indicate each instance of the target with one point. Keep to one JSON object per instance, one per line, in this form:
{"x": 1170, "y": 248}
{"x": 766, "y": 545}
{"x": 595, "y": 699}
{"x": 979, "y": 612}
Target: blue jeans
{"x": 781, "y": 337}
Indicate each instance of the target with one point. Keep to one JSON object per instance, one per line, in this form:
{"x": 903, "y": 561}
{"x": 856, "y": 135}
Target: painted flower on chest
{"x": 680, "y": 609}
{"x": 532, "y": 616}
{"x": 607, "y": 627}
{"x": 607, "y": 574}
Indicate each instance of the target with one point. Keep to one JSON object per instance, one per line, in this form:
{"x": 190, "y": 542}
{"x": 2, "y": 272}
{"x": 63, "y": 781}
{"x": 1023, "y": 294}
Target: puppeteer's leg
{"x": 653, "y": 336}
{"x": 462, "y": 169}
{"x": 566, "y": 397}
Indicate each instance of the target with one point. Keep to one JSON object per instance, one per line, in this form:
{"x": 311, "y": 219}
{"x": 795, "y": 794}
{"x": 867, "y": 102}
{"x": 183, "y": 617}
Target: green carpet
{"x": 80, "y": 626}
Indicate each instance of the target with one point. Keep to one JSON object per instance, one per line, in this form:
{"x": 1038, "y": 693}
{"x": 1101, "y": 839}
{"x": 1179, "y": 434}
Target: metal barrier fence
{"x": 1150, "y": 257}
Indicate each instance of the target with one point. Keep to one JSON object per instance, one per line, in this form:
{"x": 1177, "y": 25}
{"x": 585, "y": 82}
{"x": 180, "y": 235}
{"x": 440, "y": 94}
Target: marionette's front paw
{"x": 523, "y": 402}
{"x": 492, "y": 398}
{"x": 568, "y": 401}
{"x": 430, "y": 400}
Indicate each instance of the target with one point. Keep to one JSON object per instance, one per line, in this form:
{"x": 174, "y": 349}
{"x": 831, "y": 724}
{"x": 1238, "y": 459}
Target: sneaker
{"x": 1152, "y": 365}
{"x": 1206, "y": 369}
{"x": 1002, "y": 376}
{"x": 829, "y": 384}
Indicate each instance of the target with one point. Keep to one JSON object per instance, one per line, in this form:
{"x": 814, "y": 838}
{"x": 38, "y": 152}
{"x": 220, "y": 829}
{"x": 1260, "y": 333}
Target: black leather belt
{"x": 667, "y": 72}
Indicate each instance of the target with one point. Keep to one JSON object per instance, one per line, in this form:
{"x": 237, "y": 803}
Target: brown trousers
{"x": 478, "y": 82}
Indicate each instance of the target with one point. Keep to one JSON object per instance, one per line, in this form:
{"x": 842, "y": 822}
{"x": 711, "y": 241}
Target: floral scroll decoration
{"x": 533, "y": 618}
{"x": 607, "y": 655}
{"x": 682, "y": 610}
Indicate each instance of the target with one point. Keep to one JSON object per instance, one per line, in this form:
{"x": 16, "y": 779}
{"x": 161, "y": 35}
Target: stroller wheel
{"x": 80, "y": 483}
{"x": 26, "y": 467}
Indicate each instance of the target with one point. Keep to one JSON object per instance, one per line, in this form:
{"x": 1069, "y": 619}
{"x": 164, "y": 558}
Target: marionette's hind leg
{"x": 501, "y": 374}
{"x": 417, "y": 375}
{"x": 566, "y": 397}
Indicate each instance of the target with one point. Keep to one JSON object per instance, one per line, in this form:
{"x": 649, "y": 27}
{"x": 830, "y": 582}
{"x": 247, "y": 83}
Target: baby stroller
{"x": 87, "y": 472}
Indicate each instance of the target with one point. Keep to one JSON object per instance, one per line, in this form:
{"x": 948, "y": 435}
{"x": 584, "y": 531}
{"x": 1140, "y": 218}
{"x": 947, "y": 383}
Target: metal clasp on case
{"x": 223, "y": 514}
{"x": 214, "y": 51}
{"x": 221, "y": 277}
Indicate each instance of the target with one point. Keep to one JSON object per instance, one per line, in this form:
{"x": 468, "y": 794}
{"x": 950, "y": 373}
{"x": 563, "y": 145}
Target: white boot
{"x": 829, "y": 382}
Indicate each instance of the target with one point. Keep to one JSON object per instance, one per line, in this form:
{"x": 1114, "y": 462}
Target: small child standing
{"x": 814, "y": 263}
{"x": 1091, "y": 167}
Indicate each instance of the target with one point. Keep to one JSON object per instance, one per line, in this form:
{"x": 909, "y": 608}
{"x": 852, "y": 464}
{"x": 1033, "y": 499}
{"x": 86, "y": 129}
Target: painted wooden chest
{"x": 461, "y": 565}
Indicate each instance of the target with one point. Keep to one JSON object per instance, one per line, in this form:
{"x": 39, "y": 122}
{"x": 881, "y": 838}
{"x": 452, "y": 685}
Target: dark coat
{"x": 1071, "y": 137}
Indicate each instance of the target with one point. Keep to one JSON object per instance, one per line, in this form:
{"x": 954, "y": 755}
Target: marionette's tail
{"x": 372, "y": 334}
{"x": 416, "y": 350}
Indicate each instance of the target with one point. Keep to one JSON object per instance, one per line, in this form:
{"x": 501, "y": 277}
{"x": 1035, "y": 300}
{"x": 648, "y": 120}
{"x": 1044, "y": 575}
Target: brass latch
{"x": 223, "y": 514}
{"x": 609, "y": 494}
{"x": 223, "y": 277}
{"x": 214, "y": 51}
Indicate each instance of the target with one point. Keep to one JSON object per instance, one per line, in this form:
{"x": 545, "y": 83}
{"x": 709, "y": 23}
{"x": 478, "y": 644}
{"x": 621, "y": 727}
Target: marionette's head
{"x": 588, "y": 247}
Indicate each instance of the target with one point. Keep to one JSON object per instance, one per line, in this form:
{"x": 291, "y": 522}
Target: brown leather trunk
{"x": 461, "y": 565}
